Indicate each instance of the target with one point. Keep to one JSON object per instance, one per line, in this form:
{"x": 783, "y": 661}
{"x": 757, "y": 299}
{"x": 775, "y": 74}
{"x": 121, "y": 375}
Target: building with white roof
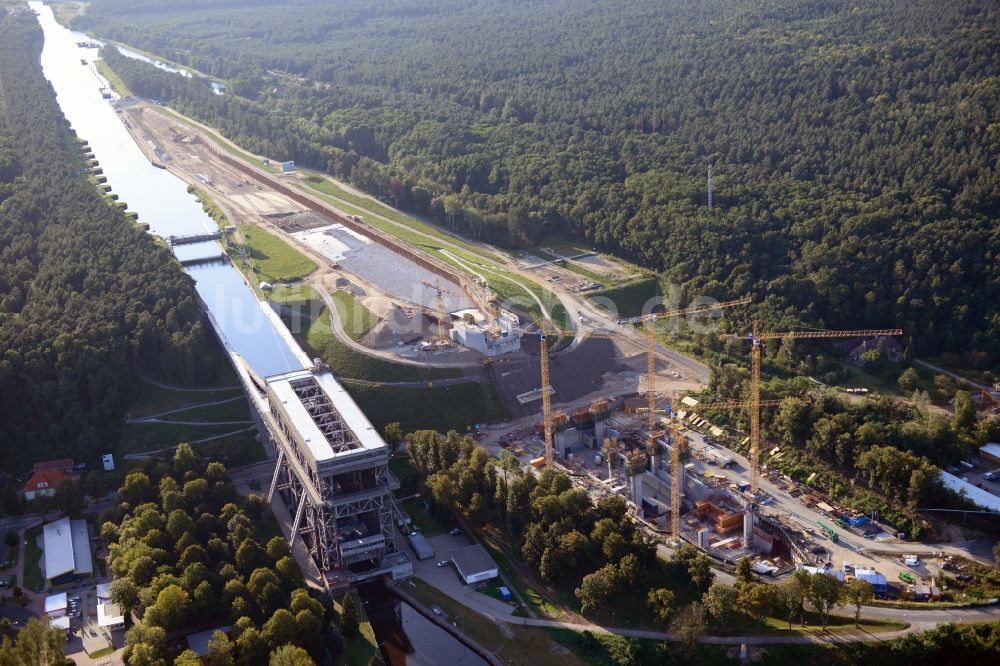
{"x": 66, "y": 547}
{"x": 332, "y": 473}
{"x": 104, "y": 591}
{"x": 110, "y": 616}
{"x": 61, "y": 623}
{"x": 990, "y": 452}
{"x": 56, "y": 604}
{"x": 982, "y": 498}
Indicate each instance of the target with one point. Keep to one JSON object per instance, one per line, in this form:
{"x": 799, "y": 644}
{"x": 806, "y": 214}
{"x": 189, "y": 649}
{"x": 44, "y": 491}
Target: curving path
{"x": 338, "y": 330}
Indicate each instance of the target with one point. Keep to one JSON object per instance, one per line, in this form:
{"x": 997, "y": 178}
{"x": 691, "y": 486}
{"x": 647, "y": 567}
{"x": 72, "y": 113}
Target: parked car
{"x": 437, "y": 610}
{"x": 456, "y": 532}
{"x": 443, "y": 563}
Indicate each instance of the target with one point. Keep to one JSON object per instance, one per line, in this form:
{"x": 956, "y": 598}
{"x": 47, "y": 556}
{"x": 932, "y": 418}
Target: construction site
{"x": 686, "y": 483}
{"x": 426, "y": 311}
{"x": 601, "y": 401}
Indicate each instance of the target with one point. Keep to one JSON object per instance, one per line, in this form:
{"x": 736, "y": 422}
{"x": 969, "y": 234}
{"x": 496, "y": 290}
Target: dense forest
{"x": 86, "y": 298}
{"x": 855, "y": 147}
{"x": 187, "y": 554}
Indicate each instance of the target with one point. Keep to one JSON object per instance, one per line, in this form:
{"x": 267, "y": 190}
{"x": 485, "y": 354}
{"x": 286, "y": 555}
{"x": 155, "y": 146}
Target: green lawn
{"x": 104, "y": 69}
{"x": 630, "y": 299}
{"x": 32, "y": 556}
{"x": 331, "y": 189}
{"x": 354, "y": 316}
{"x": 572, "y": 267}
{"x": 234, "y": 410}
{"x": 441, "y": 408}
{"x": 359, "y": 650}
{"x": 11, "y": 555}
{"x": 424, "y": 522}
{"x": 103, "y": 652}
{"x": 267, "y": 527}
{"x": 274, "y": 260}
{"x": 64, "y": 12}
{"x": 145, "y": 438}
{"x": 207, "y": 205}
{"x": 155, "y": 399}
{"x": 348, "y": 363}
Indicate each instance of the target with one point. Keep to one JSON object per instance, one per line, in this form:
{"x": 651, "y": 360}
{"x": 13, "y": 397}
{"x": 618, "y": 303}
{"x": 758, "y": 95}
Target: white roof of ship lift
{"x": 983, "y": 498}
{"x": 57, "y": 539}
{"x": 349, "y": 411}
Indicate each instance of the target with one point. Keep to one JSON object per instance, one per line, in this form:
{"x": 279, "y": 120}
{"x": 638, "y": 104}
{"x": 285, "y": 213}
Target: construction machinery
{"x": 649, "y": 321}
{"x": 543, "y": 350}
{"x": 439, "y": 303}
{"x": 756, "y": 339}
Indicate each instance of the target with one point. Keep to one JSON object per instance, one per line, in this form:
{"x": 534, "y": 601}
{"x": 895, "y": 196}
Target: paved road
{"x": 951, "y": 374}
{"x": 338, "y": 330}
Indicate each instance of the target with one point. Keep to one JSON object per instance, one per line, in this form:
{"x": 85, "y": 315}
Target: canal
{"x": 160, "y": 198}
{"x": 407, "y": 638}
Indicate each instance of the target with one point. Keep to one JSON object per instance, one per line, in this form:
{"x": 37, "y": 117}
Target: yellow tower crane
{"x": 439, "y": 302}
{"x": 756, "y": 339}
{"x": 675, "y": 463}
{"x": 649, "y": 321}
{"x": 543, "y": 350}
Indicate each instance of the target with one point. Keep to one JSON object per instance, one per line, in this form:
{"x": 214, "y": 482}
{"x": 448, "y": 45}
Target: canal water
{"x": 407, "y": 638}
{"x": 160, "y": 198}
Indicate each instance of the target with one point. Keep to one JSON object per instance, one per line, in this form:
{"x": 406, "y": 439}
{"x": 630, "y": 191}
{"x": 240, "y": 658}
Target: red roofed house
{"x": 42, "y": 482}
{"x": 45, "y": 477}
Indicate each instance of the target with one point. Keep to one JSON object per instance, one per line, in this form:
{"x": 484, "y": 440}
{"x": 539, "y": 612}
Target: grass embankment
{"x": 359, "y": 650}
{"x": 355, "y": 318}
{"x": 115, "y": 81}
{"x": 511, "y": 643}
{"x": 571, "y": 266}
{"x": 209, "y": 206}
{"x": 271, "y": 258}
{"x": 32, "y": 573}
{"x": 439, "y": 408}
{"x": 185, "y": 405}
{"x": 64, "y": 12}
{"x": 326, "y": 186}
{"x": 629, "y": 300}
{"x": 318, "y": 339}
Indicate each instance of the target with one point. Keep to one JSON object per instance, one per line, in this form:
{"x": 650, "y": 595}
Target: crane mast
{"x": 543, "y": 346}
{"x": 757, "y": 339}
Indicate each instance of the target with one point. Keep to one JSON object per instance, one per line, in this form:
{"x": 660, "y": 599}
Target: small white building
{"x": 56, "y": 605}
{"x": 502, "y": 337}
{"x": 61, "y": 622}
{"x": 104, "y": 592}
{"x": 110, "y": 616}
{"x": 474, "y": 564}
